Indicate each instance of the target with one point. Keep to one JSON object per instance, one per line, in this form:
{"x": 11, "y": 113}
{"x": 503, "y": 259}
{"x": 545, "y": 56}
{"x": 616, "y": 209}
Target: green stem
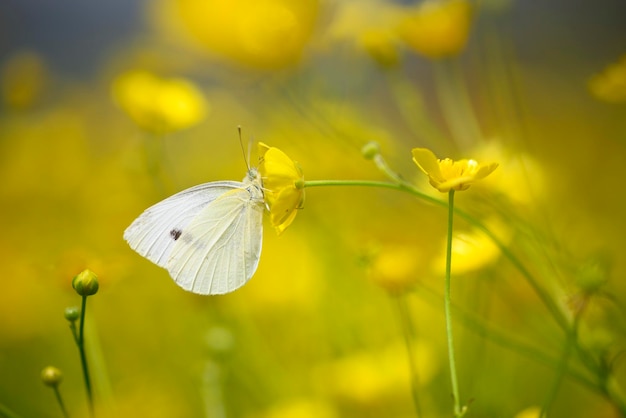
{"x": 446, "y": 300}
{"x": 74, "y": 332}
{"x": 83, "y": 355}
{"x": 570, "y": 341}
{"x": 614, "y": 394}
{"x": 455, "y": 103}
{"x": 504, "y": 339}
{"x": 412, "y": 108}
{"x": 613, "y": 391}
{"x": 406, "y": 187}
{"x": 407, "y": 331}
{"x": 57, "y": 393}
{"x": 5, "y": 412}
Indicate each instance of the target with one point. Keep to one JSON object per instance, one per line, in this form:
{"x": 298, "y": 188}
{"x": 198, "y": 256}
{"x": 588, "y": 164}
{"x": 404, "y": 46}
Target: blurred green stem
{"x": 504, "y": 339}
{"x": 455, "y": 103}
{"x": 458, "y": 411}
{"x": 408, "y": 330}
{"x": 83, "y": 356}
{"x": 570, "y": 342}
{"x": 5, "y": 412}
{"x": 608, "y": 386}
{"x": 410, "y": 103}
{"x": 57, "y": 393}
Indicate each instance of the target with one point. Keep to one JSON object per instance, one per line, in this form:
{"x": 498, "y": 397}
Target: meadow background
{"x": 91, "y": 134}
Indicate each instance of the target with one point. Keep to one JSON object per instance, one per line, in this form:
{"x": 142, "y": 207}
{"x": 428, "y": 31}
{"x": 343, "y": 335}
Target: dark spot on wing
{"x": 175, "y": 233}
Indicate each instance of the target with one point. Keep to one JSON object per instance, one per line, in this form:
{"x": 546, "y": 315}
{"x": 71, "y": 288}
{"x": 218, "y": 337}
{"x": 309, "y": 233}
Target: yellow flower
{"x": 370, "y": 377}
{"x": 531, "y": 412}
{"x": 446, "y": 175}
{"x": 610, "y": 85}
{"x": 283, "y": 185}
{"x": 258, "y": 34}
{"x": 366, "y": 26}
{"x": 396, "y": 267}
{"x": 159, "y": 105}
{"x": 301, "y": 408}
{"x": 438, "y": 28}
{"x": 472, "y": 250}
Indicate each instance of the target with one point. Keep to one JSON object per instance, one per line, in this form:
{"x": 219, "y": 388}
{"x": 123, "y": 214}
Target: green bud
{"x": 51, "y": 376}
{"x": 370, "y": 150}
{"x": 594, "y": 273}
{"x": 72, "y": 313}
{"x": 86, "y": 283}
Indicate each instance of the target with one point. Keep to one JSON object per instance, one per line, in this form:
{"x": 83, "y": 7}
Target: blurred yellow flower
{"x": 521, "y": 179}
{"x": 395, "y": 267}
{"x": 366, "y": 378}
{"x": 531, "y": 412}
{"x": 445, "y": 175}
{"x": 259, "y": 34}
{"x": 283, "y": 185}
{"x": 437, "y": 28}
{"x": 23, "y": 79}
{"x": 610, "y": 85}
{"x": 368, "y": 25}
{"x": 472, "y": 250}
{"x": 159, "y": 105}
{"x": 301, "y": 409}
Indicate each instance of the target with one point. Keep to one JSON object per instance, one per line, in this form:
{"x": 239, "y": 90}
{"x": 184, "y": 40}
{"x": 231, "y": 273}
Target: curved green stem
{"x": 400, "y": 185}
{"x": 83, "y": 355}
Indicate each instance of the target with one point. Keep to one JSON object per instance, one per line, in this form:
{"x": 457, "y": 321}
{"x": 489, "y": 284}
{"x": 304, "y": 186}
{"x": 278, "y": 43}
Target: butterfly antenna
{"x": 246, "y": 157}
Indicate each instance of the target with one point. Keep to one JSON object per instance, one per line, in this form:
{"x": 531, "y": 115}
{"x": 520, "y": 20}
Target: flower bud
{"x": 370, "y": 150}
{"x": 72, "y": 313}
{"x": 51, "y": 376}
{"x": 86, "y": 283}
{"x": 593, "y": 273}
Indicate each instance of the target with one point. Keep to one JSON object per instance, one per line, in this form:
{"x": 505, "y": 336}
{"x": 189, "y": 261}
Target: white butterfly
{"x": 208, "y": 237}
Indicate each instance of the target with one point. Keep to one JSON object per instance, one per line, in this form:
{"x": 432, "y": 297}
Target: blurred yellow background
{"x": 108, "y": 108}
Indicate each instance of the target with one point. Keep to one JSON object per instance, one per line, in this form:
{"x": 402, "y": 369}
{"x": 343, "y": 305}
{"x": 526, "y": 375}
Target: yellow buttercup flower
{"x": 396, "y": 267}
{"x": 445, "y": 175}
{"x": 438, "y": 28}
{"x": 472, "y": 250}
{"x": 610, "y": 84}
{"x": 257, "y": 34}
{"x": 159, "y": 105}
{"x": 283, "y": 185}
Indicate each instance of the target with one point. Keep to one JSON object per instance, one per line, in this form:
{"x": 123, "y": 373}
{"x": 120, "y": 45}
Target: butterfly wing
{"x": 219, "y": 249}
{"x": 154, "y": 233}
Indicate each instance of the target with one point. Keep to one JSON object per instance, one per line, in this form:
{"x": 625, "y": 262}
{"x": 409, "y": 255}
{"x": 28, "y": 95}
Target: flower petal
{"x": 282, "y": 185}
{"x": 428, "y": 163}
{"x": 485, "y": 170}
